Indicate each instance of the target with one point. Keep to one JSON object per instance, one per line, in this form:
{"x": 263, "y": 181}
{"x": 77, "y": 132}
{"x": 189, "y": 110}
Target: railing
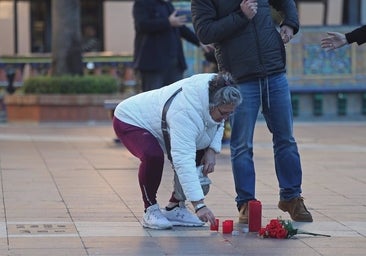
{"x": 16, "y": 68}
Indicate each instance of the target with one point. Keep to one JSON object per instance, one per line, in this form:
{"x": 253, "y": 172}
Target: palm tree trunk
{"x": 66, "y": 38}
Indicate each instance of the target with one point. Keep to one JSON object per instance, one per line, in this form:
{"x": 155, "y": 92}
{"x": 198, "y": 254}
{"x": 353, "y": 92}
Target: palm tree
{"x": 66, "y": 38}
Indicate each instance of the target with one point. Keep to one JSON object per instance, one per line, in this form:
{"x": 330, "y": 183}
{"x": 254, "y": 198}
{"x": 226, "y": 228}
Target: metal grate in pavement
{"x": 41, "y": 229}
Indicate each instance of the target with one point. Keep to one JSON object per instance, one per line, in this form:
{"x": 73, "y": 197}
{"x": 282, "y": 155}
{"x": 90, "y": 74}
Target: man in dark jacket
{"x": 158, "y": 51}
{"x": 250, "y": 47}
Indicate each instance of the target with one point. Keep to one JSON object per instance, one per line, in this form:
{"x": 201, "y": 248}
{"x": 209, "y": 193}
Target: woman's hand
{"x": 205, "y": 215}
{"x": 209, "y": 161}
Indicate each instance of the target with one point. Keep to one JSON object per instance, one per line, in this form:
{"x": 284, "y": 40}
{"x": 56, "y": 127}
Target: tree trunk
{"x": 66, "y": 38}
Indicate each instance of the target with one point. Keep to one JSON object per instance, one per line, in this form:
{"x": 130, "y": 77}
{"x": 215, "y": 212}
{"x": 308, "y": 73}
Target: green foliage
{"x": 102, "y": 84}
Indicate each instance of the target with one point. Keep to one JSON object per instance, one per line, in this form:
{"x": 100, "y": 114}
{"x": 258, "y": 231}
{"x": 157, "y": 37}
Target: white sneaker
{"x": 181, "y": 216}
{"x": 153, "y": 218}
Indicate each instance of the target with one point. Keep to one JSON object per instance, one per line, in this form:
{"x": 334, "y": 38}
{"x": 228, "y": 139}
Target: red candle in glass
{"x": 227, "y": 226}
{"x": 215, "y": 227}
{"x": 255, "y": 215}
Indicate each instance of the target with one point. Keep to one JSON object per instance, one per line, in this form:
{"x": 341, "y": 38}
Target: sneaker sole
{"x": 185, "y": 224}
{"x": 145, "y": 225}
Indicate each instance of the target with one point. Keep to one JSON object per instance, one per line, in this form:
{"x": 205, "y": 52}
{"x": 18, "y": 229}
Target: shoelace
{"x": 156, "y": 213}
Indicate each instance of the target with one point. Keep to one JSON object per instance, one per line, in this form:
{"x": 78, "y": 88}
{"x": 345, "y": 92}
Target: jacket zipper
{"x": 258, "y": 47}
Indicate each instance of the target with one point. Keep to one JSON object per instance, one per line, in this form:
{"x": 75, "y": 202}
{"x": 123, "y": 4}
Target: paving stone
{"x": 68, "y": 189}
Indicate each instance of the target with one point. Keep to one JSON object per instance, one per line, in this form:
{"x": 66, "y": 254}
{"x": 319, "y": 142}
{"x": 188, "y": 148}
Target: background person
{"x": 195, "y": 120}
{"x": 249, "y": 46}
{"x": 90, "y": 42}
{"x": 158, "y": 51}
{"x": 336, "y": 40}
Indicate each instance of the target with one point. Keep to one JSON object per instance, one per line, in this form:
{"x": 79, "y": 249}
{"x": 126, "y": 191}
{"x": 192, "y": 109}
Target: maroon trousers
{"x": 143, "y": 145}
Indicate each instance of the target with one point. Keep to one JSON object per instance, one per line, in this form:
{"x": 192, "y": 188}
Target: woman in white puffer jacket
{"x": 195, "y": 121}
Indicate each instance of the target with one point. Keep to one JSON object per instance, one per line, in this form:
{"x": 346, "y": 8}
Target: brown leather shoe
{"x": 243, "y": 214}
{"x": 297, "y": 209}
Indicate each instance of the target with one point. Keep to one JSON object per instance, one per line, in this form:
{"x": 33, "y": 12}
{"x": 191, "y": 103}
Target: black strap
{"x": 164, "y": 125}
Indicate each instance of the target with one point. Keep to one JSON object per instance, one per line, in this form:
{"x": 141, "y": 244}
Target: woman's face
{"x": 222, "y": 112}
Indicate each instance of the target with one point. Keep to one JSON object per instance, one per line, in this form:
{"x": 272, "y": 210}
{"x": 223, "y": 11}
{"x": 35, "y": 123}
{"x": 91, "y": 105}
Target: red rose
{"x": 262, "y": 232}
{"x": 274, "y": 223}
{"x": 281, "y": 233}
{"x": 272, "y": 233}
{"x": 282, "y": 229}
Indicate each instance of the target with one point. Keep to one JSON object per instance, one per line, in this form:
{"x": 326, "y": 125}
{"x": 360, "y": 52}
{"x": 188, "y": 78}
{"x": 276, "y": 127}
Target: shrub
{"x": 88, "y": 84}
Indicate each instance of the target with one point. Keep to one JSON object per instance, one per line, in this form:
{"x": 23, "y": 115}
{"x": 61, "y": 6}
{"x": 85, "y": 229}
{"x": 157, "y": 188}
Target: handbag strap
{"x": 164, "y": 124}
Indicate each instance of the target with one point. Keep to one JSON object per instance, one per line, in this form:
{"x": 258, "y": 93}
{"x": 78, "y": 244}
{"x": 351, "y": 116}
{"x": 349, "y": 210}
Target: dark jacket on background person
{"x": 241, "y": 48}
{"x": 358, "y": 35}
{"x": 157, "y": 43}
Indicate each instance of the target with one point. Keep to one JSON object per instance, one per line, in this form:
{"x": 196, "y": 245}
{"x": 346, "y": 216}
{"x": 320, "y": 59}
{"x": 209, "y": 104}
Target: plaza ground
{"x": 69, "y": 189}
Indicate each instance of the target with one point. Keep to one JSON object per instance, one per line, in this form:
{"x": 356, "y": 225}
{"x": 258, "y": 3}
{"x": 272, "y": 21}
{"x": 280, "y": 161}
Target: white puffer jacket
{"x": 190, "y": 125}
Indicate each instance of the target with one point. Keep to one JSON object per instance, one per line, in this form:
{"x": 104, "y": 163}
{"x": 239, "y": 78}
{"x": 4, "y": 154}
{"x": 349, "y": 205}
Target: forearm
{"x": 198, "y": 205}
{"x": 358, "y": 35}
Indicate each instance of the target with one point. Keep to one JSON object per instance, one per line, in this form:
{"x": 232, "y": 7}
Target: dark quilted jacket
{"x": 247, "y": 49}
{"x": 358, "y": 35}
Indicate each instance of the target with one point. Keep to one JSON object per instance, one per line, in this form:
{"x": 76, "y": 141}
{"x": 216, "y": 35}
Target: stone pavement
{"x": 68, "y": 189}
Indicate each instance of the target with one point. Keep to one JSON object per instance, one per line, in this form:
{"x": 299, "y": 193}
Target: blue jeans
{"x": 273, "y": 96}
{"x": 151, "y": 80}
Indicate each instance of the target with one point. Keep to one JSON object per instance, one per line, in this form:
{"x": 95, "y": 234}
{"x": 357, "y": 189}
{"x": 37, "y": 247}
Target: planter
{"x": 57, "y": 107}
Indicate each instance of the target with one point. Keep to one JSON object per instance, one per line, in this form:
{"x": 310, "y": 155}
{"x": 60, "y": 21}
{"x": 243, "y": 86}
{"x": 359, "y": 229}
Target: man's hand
{"x": 177, "y": 21}
{"x": 249, "y": 8}
{"x": 207, "y": 47}
{"x": 287, "y": 33}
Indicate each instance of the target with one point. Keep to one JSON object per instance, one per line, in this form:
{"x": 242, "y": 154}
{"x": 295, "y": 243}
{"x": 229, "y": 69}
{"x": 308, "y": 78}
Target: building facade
{"x": 26, "y": 25}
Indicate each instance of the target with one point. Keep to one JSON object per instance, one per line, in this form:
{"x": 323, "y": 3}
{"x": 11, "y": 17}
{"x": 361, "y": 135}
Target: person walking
{"x": 184, "y": 120}
{"x": 336, "y": 40}
{"x": 158, "y": 50}
{"x": 250, "y": 47}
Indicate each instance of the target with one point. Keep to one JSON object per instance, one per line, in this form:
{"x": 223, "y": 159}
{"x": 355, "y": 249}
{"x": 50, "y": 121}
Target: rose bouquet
{"x": 282, "y": 229}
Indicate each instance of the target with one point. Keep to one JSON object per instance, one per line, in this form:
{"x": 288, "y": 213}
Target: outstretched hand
{"x": 333, "y": 41}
